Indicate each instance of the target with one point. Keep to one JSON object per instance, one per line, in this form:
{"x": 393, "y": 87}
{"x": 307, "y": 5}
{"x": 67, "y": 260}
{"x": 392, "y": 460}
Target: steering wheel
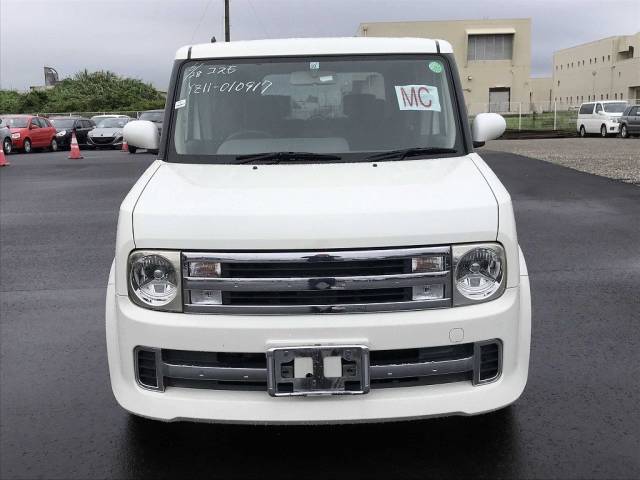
{"x": 249, "y": 134}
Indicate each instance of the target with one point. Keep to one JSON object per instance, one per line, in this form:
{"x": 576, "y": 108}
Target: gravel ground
{"x": 614, "y": 158}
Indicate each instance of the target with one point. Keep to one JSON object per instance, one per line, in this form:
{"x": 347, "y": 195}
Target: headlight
{"x": 479, "y": 273}
{"x": 154, "y": 279}
{"x": 615, "y": 120}
{"x": 15, "y": 136}
{"x": 61, "y": 133}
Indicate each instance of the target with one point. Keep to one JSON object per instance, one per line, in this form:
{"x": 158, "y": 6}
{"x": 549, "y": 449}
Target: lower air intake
{"x": 147, "y": 368}
{"x": 488, "y": 357}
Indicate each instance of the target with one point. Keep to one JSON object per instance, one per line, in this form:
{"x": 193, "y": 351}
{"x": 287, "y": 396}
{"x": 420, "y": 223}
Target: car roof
{"x": 314, "y": 46}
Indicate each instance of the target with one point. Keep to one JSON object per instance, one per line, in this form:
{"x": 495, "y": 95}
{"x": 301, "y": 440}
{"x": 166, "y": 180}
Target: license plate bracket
{"x": 314, "y": 370}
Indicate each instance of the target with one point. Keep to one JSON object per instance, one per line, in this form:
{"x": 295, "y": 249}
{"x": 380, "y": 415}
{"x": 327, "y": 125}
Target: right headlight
{"x": 154, "y": 279}
{"x": 479, "y": 273}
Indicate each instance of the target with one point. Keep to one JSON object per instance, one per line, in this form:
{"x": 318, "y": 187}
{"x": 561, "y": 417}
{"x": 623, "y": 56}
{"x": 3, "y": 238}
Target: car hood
{"x": 314, "y": 206}
{"x": 105, "y": 132}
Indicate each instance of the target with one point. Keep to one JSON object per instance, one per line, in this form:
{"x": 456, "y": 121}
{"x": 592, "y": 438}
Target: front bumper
{"x": 104, "y": 142}
{"x": 612, "y": 127}
{"x": 507, "y": 318}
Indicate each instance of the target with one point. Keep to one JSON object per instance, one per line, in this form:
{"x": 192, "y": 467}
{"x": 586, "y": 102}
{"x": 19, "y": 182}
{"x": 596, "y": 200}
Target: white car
{"x": 317, "y": 242}
{"x": 600, "y": 117}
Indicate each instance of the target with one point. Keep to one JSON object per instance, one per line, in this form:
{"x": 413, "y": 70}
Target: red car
{"x": 30, "y": 131}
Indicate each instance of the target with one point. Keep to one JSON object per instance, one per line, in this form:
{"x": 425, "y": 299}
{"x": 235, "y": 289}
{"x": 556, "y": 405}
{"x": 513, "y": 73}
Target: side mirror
{"x": 487, "y": 126}
{"x": 142, "y": 134}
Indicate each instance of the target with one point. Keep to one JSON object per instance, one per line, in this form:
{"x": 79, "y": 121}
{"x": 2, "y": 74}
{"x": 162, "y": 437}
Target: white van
{"x": 600, "y": 117}
{"x": 318, "y": 242}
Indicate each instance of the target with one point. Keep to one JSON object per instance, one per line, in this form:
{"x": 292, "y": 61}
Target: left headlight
{"x": 61, "y": 133}
{"x": 479, "y": 273}
{"x": 154, "y": 279}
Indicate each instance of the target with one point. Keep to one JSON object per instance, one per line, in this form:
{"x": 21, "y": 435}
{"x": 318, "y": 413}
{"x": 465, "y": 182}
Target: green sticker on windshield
{"x": 435, "y": 67}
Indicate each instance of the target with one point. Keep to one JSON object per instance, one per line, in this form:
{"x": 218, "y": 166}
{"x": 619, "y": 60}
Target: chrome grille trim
{"x": 300, "y": 283}
{"x": 312, "y": 256}
{"x": 424, "y": 369}
{"x": 314, "y": 283}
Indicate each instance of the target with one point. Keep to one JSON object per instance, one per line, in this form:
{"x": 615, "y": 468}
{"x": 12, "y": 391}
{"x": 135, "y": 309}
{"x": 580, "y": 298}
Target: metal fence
{"x": 130, "y": 113}
{"x": 557, "y": 116}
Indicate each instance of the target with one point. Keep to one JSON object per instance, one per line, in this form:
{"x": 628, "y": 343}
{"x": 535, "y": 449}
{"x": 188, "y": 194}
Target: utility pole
{"x": 227, "y": 33}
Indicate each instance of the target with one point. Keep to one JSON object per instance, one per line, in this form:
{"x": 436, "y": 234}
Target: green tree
{"x": 85, "y": 92}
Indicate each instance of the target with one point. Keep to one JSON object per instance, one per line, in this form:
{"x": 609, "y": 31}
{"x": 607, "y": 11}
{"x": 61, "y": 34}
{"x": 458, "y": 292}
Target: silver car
{"x": 108, "y": 132}
{"x": 5, "y": 138}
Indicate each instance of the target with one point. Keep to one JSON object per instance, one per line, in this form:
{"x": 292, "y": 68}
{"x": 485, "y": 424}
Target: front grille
{"x": 477, "y": 363}
{"x": 330, "y": 297}
{"x": 317, "y": 269}
{"x": 317, "y": 282}
{"x": 102, "y": 140}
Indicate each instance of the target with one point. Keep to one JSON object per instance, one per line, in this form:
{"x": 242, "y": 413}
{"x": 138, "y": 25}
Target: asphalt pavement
{"x": 578, "y": 417}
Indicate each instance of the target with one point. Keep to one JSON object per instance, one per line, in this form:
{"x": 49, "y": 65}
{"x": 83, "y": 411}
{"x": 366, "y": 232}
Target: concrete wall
{"x": 476, "y": 76}
{"x": 600, "y": 70}
{"x": 541, "y": 95}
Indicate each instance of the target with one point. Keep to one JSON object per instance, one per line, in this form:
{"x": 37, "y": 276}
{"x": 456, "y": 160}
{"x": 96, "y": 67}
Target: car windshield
{"x": 111, "y": 122}
{"x": 156, "y": 117}
{"x": 348, "y": 107}
{"x": 15, "y": 122}
{"x": 63, "y": 122}
{"x": 616, "y": 107}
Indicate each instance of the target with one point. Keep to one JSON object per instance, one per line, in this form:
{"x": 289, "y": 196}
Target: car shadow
{"x": 484, "y": 446}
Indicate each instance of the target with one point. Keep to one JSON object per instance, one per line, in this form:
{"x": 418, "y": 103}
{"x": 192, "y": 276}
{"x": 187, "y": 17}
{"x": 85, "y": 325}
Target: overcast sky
{"x": 139, "y": 37}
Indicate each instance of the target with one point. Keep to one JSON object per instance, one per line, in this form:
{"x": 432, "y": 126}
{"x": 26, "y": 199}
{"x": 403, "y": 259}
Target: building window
{"x": 602, "y": 58}
{"x": 601, "y": 97}
{"x": 490, "y": 47}
{"x": 607, "y": 96}
{"x": 558, "y": 82}
{"x": 608, "y": 58}
{"x": 556, "y": 67}
{"x": 560, "y": 67}
{"x": 595, "y": 60}
{"x": 589, "y": 61}
{"x": 615, "y": 96}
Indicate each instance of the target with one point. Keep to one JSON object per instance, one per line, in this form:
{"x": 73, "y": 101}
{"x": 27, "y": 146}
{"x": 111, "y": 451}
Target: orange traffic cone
{"x": 3, "y": 158}
{"x": 125, "y": 146}
{"x": 74, "y": 153}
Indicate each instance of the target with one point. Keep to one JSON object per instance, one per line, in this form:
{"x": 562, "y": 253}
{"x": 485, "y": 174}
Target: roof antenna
{"x": 213, "y": 39}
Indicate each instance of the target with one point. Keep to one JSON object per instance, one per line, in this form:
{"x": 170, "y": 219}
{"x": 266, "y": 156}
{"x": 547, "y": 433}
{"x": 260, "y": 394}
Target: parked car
{"x": 629, "y": 121}
{"x": 108, "y": 132}
{"x": 5, "y": 137}
{"x": 155, "y": 116}
{"x": 66, "y": 126}
{"x": 96, "y": 118}
{"x": 31, "y": 131}
{"x": 363, "y": 250}
{"x": 599, "y": 117}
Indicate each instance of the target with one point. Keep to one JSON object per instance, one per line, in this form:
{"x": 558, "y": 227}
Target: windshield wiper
{"x": 403, "y": 153}
{"x": 277, "y": 157}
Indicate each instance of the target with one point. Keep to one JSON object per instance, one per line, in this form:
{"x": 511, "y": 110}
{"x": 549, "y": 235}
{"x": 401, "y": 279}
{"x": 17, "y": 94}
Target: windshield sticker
{"x": 314, "y": 65}
{"x": 418, "y": 97}
{"x": 180, "y": 103}
{"x": 435, "y": 67}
